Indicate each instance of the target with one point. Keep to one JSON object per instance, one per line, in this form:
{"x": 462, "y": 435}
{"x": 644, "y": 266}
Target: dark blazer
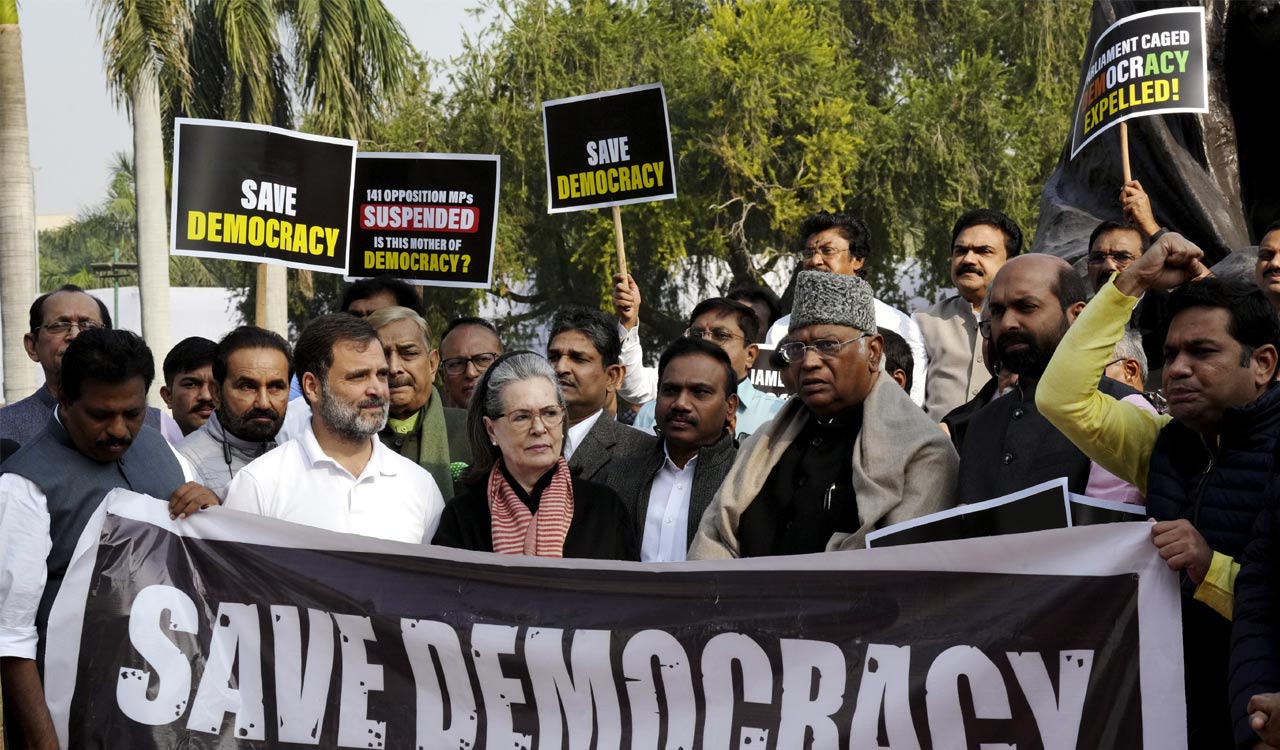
{"x": 608, "y": 445}
{"x": 714, "y": 462}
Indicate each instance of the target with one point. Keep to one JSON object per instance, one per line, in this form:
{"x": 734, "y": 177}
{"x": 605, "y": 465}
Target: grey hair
{"x": 1130, "y": 347}
{"x": 487, "y": 401}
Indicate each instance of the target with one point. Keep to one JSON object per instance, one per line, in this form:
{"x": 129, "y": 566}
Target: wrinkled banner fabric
{"x": 228, "y": 630}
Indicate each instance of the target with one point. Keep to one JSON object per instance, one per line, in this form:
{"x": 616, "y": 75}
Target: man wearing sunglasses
{"x": 57, "y": 318}
{"x": 733, "y": 327}
{"x": 850, "y": 454}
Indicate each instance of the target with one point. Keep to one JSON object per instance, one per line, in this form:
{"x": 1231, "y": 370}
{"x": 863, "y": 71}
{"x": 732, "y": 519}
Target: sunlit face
{"x": 1111, "y": 253}
{"x": 255, "y": 394}
{"x": 191, "y": 398}
{"x": 1266, "y": 272}
{"x": 353, "y": 399}
{"x": 1206, "y": 370}
{"x": 104, "y": 421}
{"x": 977, "y": 253}
{"x": 830, "y": 384}
{"x": 692, "y": 407}
{"x": 529, "y": 448}
{"x": 584, "y": 379}
{"x": 1027, "y": 319}
{"x": 721, "y": 328}
{"x": 412, "y": 366}
{"x": 828, "y": 250}
{"x": 47, "y": 347}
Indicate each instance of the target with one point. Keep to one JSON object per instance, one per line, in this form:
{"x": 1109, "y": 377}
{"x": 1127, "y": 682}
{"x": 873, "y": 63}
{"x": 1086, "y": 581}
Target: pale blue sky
{"x": 76, "y": 127}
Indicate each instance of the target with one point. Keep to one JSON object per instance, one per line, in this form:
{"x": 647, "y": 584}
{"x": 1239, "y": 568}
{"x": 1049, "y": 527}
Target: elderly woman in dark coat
{"x": 519, "y": 496}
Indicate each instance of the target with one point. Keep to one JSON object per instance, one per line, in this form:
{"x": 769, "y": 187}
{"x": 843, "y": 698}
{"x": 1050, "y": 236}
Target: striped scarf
{"x": 517, "y": 531}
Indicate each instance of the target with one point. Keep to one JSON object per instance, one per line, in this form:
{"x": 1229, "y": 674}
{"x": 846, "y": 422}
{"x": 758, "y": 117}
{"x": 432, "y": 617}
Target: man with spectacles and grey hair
{"x": 850, "y": 454}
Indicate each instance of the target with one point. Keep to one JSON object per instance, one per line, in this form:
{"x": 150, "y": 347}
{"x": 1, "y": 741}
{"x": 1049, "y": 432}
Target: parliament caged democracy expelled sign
{"x": 228, "y": 630}
{"x": 611, "y": 148}
{"x": 260, "y": 193}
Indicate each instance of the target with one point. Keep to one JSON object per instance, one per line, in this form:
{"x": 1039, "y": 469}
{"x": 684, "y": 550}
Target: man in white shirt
{"x": 93, "y": 442}
{"x": 671, "y": 486}
{"x": 584, "y": 351}
{"x": 840, "y": 243}
{"x": 336, "y": 474}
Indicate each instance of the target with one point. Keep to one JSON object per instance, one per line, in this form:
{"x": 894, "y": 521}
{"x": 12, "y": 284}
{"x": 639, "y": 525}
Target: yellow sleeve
{"x": 1115, "y": 435}
{"x": 1219, "y": 585}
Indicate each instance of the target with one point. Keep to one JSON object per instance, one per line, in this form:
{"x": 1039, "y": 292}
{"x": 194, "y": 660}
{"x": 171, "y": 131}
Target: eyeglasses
{"x": 458, "y": 365}
{"x": 794, "y": 351}
{"x": 60, "y": 327}
{"x": 826, "y": 251}
{"x": 522, "y": 419}
{"x": 718, "y": 335}
{"x": 1120, "y": 259}
{"x": 984, "y": 328}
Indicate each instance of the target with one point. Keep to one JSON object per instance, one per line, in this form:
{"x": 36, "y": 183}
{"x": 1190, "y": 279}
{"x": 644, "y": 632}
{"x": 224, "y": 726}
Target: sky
{"x": 75, "y": 124}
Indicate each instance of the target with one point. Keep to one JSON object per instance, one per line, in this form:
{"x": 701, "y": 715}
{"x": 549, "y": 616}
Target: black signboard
{"x": 269, "y": 195}
{"x": 1145, "y": 64}
{"x": 429, "y": 219}
{"x": 608, "y": 149}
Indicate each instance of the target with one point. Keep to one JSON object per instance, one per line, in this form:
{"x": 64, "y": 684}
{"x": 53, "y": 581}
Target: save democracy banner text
{"x": 228, "y": 630}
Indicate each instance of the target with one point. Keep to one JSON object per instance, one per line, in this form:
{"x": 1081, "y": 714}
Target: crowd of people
{"x": 1145, "y": 380}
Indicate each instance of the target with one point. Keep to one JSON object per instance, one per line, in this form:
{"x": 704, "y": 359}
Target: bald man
{"x": 1008, "y": 445}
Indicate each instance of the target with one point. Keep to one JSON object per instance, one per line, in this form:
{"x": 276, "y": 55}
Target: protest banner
{"x": 428, "y": 219}
{"x": 262, "y": 194}
{"x": 766, "y": 375}
{"x": 611, "y": 148}
{"x": 608, "y": 149}
{"x": 1144, "y": 64}
{"x": 231, "y": 630}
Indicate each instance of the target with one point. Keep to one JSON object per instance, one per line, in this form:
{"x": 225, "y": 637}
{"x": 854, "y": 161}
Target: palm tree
{"x": 144, "y": 42}
{"x": 18, "y": 266}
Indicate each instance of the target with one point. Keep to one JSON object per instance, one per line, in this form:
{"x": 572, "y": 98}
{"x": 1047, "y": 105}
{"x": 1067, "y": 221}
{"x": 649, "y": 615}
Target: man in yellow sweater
{"x": 1204, "y": 467}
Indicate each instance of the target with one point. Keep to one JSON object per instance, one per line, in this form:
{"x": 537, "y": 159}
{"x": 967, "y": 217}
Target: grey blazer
{"x": 714, "y": 462}
{"x": 608, "y": 444}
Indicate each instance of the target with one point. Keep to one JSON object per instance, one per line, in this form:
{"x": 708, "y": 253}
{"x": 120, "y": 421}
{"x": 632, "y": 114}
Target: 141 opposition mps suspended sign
{"x": 229, "y": 630}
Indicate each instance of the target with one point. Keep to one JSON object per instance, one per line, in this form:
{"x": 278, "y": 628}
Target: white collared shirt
{"x": 577, "y": 433}
{"x": 666, "y": 537}
{"x": 393, "y": 498}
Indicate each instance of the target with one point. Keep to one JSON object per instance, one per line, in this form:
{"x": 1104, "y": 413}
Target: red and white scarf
{"x": 516, "y": 530}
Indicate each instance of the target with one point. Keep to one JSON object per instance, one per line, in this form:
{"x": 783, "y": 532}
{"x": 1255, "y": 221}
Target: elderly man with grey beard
{"x": 337, "y": 474}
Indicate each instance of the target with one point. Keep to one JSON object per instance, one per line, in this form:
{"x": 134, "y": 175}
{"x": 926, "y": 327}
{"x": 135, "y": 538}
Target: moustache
{"x": 1014, "y": 337}
{"x": 113, "y": 442}
{"x": 969, "y": 268}
{"x": 567, "y": 381}
{"x": 371, "y": 403}
{"x": 271, "y": 414}
{"x": 400, "y": 382}
{"x": 205, "y": 404}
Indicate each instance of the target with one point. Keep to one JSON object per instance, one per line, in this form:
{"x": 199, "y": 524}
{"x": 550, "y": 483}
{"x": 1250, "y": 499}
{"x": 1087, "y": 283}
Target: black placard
{"x": 608, "y": 149}
{"x": 269, "y": 195}
{"x": 429, "y": 219}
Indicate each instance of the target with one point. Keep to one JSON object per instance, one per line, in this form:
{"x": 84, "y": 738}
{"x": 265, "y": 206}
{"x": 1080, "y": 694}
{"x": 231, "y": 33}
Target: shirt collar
{"x": 670, "y": 465}
{"x": 315, "y": 455}
{"x": 578, "y": 432}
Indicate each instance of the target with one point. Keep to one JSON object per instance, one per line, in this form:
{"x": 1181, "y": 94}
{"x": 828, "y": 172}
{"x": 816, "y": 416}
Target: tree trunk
{"x": 18, "y": 261}
{"x": 153, "y": 243}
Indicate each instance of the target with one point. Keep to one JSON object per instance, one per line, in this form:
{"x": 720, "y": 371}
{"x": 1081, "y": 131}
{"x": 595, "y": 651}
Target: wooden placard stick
{"x": 1124, "y": 151}
{"x": 617, "y": 240}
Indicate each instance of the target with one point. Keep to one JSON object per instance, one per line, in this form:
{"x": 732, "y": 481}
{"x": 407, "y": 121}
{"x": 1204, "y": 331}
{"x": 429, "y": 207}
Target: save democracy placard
{"x": 1144, "y": 64}
{"x": 610, "y": 148}
{"x": 231, "y": 630}
{"x": 260, "y": 193}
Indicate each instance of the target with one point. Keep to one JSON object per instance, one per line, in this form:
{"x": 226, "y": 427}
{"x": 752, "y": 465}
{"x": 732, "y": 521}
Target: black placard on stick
{"x": 1144, "y": 64}
{"x": 264, "y": 194}
{"x": 429, "y": 219}
{"x": 608, "y": 149}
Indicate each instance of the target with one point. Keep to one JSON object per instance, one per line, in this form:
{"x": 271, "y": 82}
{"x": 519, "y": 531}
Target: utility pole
{"x": 115, "y": 270}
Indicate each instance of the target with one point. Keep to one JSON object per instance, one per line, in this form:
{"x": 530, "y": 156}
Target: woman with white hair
{"x": 519, "y": 496}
